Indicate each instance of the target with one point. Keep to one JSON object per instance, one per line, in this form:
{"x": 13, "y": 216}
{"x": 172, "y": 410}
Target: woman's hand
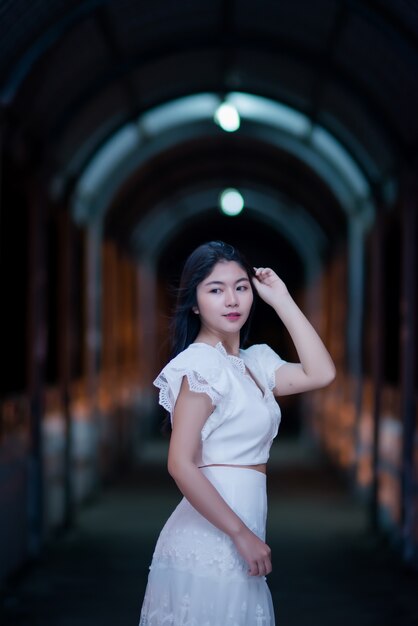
{"x": 268, "y": 285}
{"x": 254, "y": 551}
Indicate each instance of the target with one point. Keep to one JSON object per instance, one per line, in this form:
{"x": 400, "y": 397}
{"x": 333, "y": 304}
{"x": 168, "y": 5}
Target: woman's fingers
{"x": 253, "y": 569}
{"x": 260, "y": 568}
{"x": 255, "y": 552}
{"x": 264, "y": 273}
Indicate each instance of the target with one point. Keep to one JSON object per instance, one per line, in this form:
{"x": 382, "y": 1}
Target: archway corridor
{"x": 123, "y": 125}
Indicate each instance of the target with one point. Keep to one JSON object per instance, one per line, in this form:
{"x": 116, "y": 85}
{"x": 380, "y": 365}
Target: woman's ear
{"x": 195, "y": 310}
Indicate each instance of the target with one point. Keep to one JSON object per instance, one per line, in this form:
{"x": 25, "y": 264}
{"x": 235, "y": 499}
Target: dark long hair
{"x": 185, "y": 324}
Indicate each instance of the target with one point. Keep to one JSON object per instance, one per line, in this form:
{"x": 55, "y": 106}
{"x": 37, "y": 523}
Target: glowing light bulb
{"x": 231, "y": 202}
{"x": 227, "y": 117}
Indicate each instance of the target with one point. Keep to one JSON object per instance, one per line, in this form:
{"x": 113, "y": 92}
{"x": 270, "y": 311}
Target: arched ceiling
{"x": 245, "y": 234}
{"x": 223, "y": 161}
{"x": 73, "y": 73}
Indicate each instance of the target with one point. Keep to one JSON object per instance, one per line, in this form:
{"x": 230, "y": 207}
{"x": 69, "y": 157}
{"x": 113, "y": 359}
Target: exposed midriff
{"x": 261, "y": 467}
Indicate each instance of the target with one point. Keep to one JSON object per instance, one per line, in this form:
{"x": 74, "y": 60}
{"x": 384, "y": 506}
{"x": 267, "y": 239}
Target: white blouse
{"x": 245, "y": 419}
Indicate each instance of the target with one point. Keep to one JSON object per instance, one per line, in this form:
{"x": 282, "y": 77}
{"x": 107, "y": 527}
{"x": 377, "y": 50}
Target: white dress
{"x": 197, "y": 577}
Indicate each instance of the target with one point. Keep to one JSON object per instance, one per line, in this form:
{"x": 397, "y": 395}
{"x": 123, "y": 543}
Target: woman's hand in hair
{"x": 268, "y": 285}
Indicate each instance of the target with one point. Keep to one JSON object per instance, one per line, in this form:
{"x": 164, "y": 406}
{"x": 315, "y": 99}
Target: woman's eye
{"x": 219, "y": 290}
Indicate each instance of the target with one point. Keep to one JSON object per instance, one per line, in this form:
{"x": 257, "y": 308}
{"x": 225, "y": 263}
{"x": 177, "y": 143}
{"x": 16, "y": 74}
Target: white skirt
{"x": 197, "y": 577}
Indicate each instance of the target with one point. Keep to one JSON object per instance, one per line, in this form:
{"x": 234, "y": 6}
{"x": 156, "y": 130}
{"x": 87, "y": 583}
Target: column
{"x": 37, "y": 347}
{"x": 408, "y": 357}
{"x": 378, "y": 341}
{"x": 65, "y": 348}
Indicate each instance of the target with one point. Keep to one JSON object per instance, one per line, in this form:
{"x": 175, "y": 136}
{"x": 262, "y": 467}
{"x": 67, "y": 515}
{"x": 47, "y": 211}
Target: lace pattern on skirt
{"x": 197, "y": 577}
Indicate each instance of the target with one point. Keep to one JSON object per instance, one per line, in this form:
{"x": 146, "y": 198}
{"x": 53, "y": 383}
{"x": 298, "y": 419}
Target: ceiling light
{"x": 227, "y": 117}
{"x": 231, "y": 202}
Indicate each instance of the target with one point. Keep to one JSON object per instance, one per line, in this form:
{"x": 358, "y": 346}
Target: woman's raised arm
{"x": 316, "y": 368}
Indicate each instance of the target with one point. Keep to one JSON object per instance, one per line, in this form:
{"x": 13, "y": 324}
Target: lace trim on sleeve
{"x": 268, "y": 362}
{"x": 271, "y": 380}
{"x": 271, "y": 377}
{"x": 196, "y": 383}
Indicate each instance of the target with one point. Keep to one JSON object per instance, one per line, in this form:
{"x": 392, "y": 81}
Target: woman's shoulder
{"x": 197, "y": 350}
{"x": 203, "y": 367}
{"x": 263, "y": 354}
{"x": 197, "y": 356}
{"x": 265, "y": 361}
{"x": 257, "y": 349}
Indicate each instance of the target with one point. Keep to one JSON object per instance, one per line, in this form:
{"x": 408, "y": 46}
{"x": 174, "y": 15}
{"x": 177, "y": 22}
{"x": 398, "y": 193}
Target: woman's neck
{"x": 230, "y": 343}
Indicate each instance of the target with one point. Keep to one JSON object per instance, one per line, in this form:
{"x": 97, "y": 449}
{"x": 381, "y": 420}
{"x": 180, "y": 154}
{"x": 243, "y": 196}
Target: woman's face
{"x": 224, "y": 298}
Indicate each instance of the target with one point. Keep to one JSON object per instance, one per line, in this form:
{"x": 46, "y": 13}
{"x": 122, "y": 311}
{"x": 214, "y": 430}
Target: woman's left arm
{"x": 316, "y": 368}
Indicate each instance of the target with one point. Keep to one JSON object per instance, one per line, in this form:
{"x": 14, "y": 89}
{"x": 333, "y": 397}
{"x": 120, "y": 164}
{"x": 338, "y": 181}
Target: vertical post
{"x": 65, "y": 349}
{"x": 37, "y": 346}
{"x": 377, "y": 313}
{"x": 355, "y": 316}
{"x": 93, "y": 330}
{"x": 2, "y": 130}
{"x": 408, "y": 362}
{"x": 355, "y": 294}
{"x": 93, "y": 304}
{"x": 315, "y": 313}
{"x": 148, "y": 308}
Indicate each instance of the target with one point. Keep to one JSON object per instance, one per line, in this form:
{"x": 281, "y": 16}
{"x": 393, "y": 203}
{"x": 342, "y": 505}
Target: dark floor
{"x": 328, "y": 569}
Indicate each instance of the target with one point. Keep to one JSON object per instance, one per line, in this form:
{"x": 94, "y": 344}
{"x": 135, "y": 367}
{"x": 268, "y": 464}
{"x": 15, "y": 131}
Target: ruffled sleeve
{"x": 268, "y": 362}
{"x": 205, "y": 372}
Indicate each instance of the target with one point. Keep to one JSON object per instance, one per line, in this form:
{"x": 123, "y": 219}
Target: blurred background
{"x": 131, "y": 132}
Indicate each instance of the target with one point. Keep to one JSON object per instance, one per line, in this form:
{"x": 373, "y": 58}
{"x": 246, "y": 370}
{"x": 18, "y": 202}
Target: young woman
{"x": 210, "y": 562}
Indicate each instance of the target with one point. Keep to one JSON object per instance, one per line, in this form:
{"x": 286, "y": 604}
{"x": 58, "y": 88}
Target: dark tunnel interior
{"x": 131, "y": 133}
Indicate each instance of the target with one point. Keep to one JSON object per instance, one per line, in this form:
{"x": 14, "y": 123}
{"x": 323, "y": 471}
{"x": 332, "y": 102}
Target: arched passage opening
{"x": 159, "y": 181}
{"x": 118, "y": 128}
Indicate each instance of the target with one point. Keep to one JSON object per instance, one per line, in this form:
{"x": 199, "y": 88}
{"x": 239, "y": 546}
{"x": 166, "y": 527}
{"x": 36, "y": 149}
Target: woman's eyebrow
{"x": 219, "y": 282}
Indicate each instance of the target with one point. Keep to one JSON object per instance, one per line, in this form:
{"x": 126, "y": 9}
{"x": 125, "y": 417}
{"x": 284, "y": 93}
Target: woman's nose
{"x": 231, "y": 297}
